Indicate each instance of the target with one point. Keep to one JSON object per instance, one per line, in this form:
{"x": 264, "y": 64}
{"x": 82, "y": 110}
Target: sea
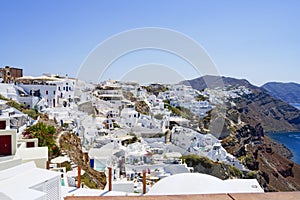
{"x": 291, "y": 141}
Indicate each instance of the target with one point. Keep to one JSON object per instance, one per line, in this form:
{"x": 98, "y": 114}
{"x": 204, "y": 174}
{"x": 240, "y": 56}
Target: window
{"x": 54, "y": 92}
{"x": 2, "y": 125}
{"x": 64, "y": 88}
{"x": 46, "y": 92}
{"x": 59, "y": 88}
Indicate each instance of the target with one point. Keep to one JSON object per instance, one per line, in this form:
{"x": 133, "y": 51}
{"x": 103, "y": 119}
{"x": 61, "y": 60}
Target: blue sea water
{"x": 291, "y": 141}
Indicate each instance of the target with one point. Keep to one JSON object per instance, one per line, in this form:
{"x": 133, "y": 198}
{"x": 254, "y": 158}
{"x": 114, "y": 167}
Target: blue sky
{"x": 256, "y": 40}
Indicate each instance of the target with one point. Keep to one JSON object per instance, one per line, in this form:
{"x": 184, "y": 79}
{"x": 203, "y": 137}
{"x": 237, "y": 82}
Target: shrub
{"x": 3, "y": 98}
{"x": 31, "y": 113}
{"x": 205, "y": 162}
{"x": 67, "y": 165}
{"x": 158, "y": 116}
{"x": 194, "y": 160}
{"x": 88, "y": 181}
{"x": 14, "y": 104}
{"x": 234, "y": 171}
{"x": 251, "y": 175}
{"x": 116, "y": 125}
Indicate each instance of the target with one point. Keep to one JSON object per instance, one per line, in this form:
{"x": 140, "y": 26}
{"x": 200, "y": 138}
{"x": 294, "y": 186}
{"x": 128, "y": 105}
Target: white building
{"x": 8, "y": 91}
{"x": 35, "y": 89}
{"x": 110, "y": 91}
{"x": 183, "y": 91}
{"x": 203, "y": 145}
{"x": 12, "y": 144}
{"x": 184, "y": 96}
{"x": 138, "y": 154}
{"x": 8, "y": 137}
{"x": 39, "y": 155}
{"x": 129, "y": 117}
{"x": 65, "y": 90}
{"x": 104, "y": 156}
{"x": 46, "y": 91}
{"x": 26, "y": 181}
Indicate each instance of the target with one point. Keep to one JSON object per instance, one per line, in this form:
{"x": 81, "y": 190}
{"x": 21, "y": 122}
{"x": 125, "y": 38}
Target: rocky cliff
{"x": 247, "y": 117}
{"x": 270, "y": 160}
{"x": 274, "y": 114}
{"x": 71, "y": 144}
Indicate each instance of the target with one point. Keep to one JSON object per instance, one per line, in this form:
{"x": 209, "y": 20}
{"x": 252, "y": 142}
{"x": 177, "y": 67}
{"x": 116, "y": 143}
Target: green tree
{"x": 46, "y": 136}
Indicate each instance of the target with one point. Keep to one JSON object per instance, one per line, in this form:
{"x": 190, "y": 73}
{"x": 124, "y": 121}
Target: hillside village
{"x": 125, "y": 127}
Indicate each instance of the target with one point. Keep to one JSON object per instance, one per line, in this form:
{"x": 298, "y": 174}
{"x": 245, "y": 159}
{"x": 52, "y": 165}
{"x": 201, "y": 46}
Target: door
{"x": 5, "y": 145}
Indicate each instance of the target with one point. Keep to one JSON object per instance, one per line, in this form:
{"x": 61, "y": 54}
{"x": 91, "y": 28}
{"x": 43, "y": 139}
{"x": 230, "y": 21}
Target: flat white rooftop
{"x": 16, "y": 182}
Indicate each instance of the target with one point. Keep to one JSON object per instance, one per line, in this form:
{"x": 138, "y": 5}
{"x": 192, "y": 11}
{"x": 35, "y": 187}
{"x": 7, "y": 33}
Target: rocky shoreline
{"x": 268, "y": 158}
{"x": 283, "y": 149}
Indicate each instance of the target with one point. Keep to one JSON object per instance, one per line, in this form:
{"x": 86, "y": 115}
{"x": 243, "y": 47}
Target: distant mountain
{"x": 274, "y": 114}
{"x": 288, "y": 92}
{"x": 216, "y": 81}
